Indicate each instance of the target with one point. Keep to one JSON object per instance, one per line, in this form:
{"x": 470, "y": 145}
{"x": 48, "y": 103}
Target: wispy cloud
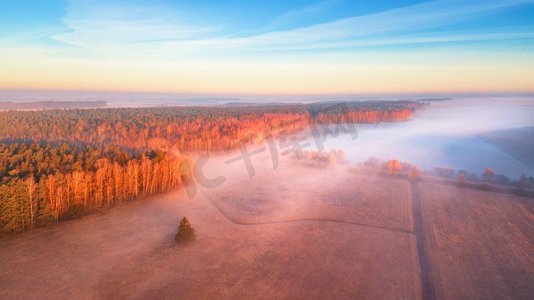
{"x": 305, "y": 12}
{"x": 419, "y": 17}
{"x": 108, "y": 24}
{"x": 30, "y": 35}
{"x": 109, "y": 28}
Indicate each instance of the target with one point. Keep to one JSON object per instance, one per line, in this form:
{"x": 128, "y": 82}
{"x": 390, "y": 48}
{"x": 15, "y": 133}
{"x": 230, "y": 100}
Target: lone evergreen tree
{"x": 185, "y": 231}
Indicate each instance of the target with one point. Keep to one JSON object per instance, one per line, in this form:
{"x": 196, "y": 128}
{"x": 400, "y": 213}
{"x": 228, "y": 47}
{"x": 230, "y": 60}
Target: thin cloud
{"x": 311, "y": 10}
{"x": 429, "y": 15}
{"x": 112, "y": 25}
{"x": 112, "y": 28}
{"x": 29, "y": 35}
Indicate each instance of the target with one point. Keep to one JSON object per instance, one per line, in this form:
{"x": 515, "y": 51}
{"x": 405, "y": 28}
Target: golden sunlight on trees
{"x": 320, "y": 158}
{"x": 393, "y": 166}
{"x": 30, "y": 186}
{"x": 188, "y": 129}
{"x": 61, "y": 164}
{"x": 71, "y": 181}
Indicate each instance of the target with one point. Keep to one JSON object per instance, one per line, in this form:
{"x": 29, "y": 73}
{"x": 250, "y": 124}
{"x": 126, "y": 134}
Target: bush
{"x": 185, "y": 231}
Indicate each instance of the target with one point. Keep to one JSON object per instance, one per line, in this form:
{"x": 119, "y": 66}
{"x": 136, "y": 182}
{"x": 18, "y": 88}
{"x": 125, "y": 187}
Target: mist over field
{"x": 281, "y": 198}
{"x": 448, "y": 134}
{"x": 310, "y": 149}
{"x": 452, "y": 131}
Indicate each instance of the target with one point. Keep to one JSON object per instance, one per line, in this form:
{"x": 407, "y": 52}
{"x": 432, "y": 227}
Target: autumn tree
{"x": 190, "y": 129}
{"x": 52, "y": 183}
{"x": 30, "y": 187}
{"x": 75, "y": 161}
{"x": 393, "y": 166}
{"x": 488, "y": 174}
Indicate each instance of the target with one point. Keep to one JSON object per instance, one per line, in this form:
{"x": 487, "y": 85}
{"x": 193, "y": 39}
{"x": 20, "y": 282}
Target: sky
{"x": 268, "y": 47}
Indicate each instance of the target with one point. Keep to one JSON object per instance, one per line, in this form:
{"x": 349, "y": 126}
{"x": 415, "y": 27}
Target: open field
{"x": 295, "y": 232}
{"x": 128, "y": 252}
{"x": 480, "y": 243}
{"x": 328, "y": 194}
{"x": 310, "y": 149}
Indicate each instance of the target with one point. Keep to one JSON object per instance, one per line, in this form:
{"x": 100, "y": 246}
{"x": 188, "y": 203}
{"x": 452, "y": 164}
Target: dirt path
{"x": 427, "y": 285}
{"x": 301, "y": 220}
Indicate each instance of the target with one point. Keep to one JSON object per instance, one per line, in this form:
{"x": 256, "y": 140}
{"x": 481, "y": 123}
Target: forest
{"x": 189, "y": 129}
{"x": 61, "y": 164}
{"x": 45, "y": 183}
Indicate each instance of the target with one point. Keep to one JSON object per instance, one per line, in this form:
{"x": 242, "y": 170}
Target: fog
{"x": 283, "y": 229}
{"x": 446, "y": 134}
{"x": 254, "y": 234}
{"x": 443, "y": 134}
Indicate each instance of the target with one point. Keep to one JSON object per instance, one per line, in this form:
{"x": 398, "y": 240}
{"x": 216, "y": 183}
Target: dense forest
{"x": 189, "y": 129}
{"x": 60, "y": 164}
{"x": 44, "y": 183}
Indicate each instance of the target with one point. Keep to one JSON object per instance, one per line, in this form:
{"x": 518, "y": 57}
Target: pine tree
{"x": 185, "y": 231}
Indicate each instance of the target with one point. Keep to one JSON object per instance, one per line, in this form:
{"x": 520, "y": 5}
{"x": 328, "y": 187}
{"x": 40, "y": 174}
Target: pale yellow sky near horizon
{"x": 341, "y": 48}
{"x": 368, "y": 73}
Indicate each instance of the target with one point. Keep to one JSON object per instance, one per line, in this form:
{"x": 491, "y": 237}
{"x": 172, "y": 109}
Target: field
{"x": 480, "y": 243}
{"x": 325, "y": 195}
{"x": 310, "y": 149}
{"x": 295, "y": 232}
{"x": 128, "y": 252}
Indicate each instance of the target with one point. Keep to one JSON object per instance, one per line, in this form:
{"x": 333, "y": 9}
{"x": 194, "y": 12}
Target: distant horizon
{"x": 7, "y": 92}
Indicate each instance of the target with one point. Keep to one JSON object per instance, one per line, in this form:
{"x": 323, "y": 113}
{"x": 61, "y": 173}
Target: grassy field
{"x": 129, "y": 252}
{"x": 293, "y": 233}
{"x": 481, "y": 244}
{"x": 327, "y": 194}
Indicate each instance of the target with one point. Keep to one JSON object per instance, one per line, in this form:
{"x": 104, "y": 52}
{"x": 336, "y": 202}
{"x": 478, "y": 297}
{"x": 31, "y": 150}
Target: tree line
{"x": 45, "y": 183}
{"x": 60, "y": 164}
{"x": 189, "y": 129}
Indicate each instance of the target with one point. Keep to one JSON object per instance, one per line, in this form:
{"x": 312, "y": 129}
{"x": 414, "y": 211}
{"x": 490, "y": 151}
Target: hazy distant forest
{"x": 61, "y": 164}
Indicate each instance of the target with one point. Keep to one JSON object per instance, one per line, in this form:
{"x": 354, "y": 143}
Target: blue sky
{"x": 245, "y": 41}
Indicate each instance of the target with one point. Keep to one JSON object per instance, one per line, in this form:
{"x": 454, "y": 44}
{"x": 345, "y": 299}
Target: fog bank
{"x": 446, "y": 134}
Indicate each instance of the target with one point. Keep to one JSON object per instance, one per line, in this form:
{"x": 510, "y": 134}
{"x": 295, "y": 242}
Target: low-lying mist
{"x": 447, "y": 134}
{"x": 444, "y": 134}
